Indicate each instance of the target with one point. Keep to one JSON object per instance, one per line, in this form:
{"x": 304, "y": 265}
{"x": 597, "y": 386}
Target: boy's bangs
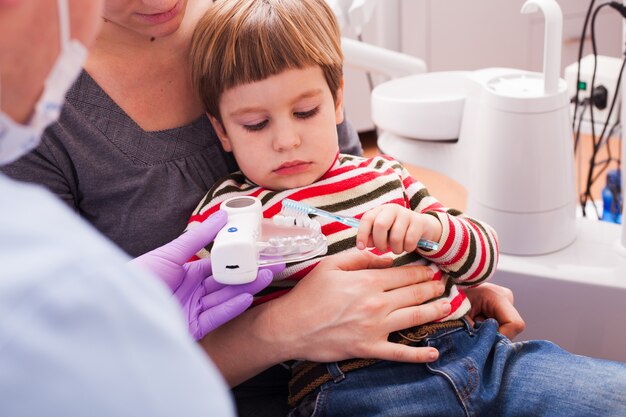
{"x": 271, "y": 45}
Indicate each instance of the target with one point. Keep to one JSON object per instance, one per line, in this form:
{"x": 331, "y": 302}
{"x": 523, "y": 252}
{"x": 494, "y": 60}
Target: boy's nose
{"x": 286, "y": 139}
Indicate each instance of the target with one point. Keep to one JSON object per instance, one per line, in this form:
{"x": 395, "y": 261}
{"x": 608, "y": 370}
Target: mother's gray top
{"x": 136, "y": 187}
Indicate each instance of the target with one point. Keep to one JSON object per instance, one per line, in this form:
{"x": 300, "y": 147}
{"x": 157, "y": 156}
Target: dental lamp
{"x": 355, "y": 14}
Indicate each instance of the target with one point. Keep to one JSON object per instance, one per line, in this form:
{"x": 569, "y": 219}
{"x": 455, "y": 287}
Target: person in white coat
{"x": 83, "y": 332}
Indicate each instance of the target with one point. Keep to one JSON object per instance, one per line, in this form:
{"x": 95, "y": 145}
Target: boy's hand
{"x": 496, "y": 302}
{"x": 396, "y": 227}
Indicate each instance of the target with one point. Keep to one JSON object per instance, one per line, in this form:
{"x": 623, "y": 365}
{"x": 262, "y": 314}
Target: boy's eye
{"x": 256, "y": 127}
{"x": 306, "y": 114}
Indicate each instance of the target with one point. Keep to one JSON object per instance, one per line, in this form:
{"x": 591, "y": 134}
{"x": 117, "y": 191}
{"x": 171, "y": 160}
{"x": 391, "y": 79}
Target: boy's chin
{"x": 291, "y": 182}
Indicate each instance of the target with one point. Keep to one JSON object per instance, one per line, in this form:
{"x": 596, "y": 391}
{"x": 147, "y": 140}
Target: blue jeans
{"x": 479, "y": 373}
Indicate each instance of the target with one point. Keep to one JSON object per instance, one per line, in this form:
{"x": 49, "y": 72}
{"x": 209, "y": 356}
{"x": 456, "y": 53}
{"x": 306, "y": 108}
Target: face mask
{"x": 16, "y": 139}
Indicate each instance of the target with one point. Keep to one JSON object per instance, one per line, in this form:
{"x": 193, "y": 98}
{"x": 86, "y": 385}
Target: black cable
{"x": 619, "y": 152}
{"x": 585, "y": 103}
{"x": 580, "y": 121}
{"x": 619, "y": 7}
{"x": 580, "y": 57}
{"x": 587, "y": 193}
{"x": 606, "y": 122}
{"x": 622, "y": 10}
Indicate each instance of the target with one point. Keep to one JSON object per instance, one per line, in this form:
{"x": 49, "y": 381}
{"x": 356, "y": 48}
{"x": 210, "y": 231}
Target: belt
{"x": 307, "y": 376}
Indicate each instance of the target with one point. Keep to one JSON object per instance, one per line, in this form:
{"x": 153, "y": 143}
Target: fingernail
{"x": 360, "y": 245}
{"x": 431, "y": 273}
{"x": 433, "y": 355}
{"x": 266, "y": 275}
{"x": 446, "y": 307}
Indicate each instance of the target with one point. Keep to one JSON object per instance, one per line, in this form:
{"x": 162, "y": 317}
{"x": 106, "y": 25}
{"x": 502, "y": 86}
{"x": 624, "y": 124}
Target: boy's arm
{"x": 468, "y": 248}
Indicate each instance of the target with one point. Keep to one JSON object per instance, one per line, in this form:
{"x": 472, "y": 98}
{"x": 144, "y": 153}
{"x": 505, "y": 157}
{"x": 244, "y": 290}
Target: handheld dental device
{"x": 248, "y": 242}
{"x": 234, "y": 254}
{"x": 299, "y": 207}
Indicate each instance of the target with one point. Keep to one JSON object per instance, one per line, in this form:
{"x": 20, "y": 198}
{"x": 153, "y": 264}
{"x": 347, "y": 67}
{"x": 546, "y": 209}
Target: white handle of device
{"x": 234, "y": 257}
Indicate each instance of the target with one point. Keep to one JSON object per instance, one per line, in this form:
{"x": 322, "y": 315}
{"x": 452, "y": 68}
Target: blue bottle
{"x": 612, "y": 197}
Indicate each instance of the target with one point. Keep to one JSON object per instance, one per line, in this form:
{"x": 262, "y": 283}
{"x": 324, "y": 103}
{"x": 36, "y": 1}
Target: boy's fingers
{"x": 397, "y": 234}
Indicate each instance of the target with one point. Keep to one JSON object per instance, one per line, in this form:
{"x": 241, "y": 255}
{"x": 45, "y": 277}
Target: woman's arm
{"x": 48, "y": 165}
{"x": 346, "y": 307}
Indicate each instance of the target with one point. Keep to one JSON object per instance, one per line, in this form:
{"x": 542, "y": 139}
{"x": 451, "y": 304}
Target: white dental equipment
{"x": 248, "y": 242}
{"x": 355, "y": 14}
{"x": 505, "y": 134}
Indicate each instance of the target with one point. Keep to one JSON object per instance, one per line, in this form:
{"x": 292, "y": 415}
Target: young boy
{"x": 275, "y": 99}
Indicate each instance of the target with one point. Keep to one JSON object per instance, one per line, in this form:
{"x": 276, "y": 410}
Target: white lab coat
{"x": 83, "y": 334}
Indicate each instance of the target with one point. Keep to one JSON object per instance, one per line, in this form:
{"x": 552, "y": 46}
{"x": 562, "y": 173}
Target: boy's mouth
{"x": 292, "y": 167}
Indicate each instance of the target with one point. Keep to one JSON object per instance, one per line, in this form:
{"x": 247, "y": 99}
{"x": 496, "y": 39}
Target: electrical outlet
{"x": 607, "y": 72}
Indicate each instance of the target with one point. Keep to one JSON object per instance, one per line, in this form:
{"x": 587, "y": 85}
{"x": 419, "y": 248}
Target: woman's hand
{"x": 206, "y": 303}
{"x": 344, "y": 308}
{"x": 496, "y": 302}
{"x": 347, "y": 306}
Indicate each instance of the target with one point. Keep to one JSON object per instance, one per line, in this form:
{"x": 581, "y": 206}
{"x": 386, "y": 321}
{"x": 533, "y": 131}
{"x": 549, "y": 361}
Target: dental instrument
{"x": 299, "y": 207}
{"x": 248, "y": 242}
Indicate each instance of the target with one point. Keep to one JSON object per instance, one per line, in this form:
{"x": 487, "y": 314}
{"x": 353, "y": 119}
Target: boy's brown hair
{"x": 242, "y": 41}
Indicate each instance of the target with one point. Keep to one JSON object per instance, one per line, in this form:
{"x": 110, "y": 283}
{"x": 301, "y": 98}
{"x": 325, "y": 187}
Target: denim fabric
{"x": 479, "y": 373}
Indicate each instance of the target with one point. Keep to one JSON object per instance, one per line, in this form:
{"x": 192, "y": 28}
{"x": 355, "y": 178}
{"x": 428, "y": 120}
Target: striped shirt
{"x": 468, "y": 249}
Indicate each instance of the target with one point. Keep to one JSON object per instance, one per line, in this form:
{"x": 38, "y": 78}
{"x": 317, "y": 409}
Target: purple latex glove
{"x": 206, "y": 303}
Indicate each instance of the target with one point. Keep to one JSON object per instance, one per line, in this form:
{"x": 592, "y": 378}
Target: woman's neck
{"x": 148, "y": 78}
{"x": 122, "y": 43}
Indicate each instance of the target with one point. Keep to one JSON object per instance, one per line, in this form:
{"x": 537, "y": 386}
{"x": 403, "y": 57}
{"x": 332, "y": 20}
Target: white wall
{"x": 467, "y": 35}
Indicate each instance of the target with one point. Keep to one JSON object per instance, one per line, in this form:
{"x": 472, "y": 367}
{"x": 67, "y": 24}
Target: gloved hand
{"x": 206, "y": 303}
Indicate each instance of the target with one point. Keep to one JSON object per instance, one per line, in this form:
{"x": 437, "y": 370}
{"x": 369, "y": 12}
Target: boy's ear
{"x": 221, "y": 133}
{"x": 339, "y": 104}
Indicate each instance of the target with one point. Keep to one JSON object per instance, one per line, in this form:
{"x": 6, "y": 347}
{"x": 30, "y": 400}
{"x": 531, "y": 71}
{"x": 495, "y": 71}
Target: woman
{"x": 132, "y": 130}
{"x": 133, "y": 139}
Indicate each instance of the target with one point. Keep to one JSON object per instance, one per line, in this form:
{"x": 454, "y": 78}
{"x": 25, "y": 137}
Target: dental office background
{"x": 451, "y": 35}
{"x": 574, "y": 296}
